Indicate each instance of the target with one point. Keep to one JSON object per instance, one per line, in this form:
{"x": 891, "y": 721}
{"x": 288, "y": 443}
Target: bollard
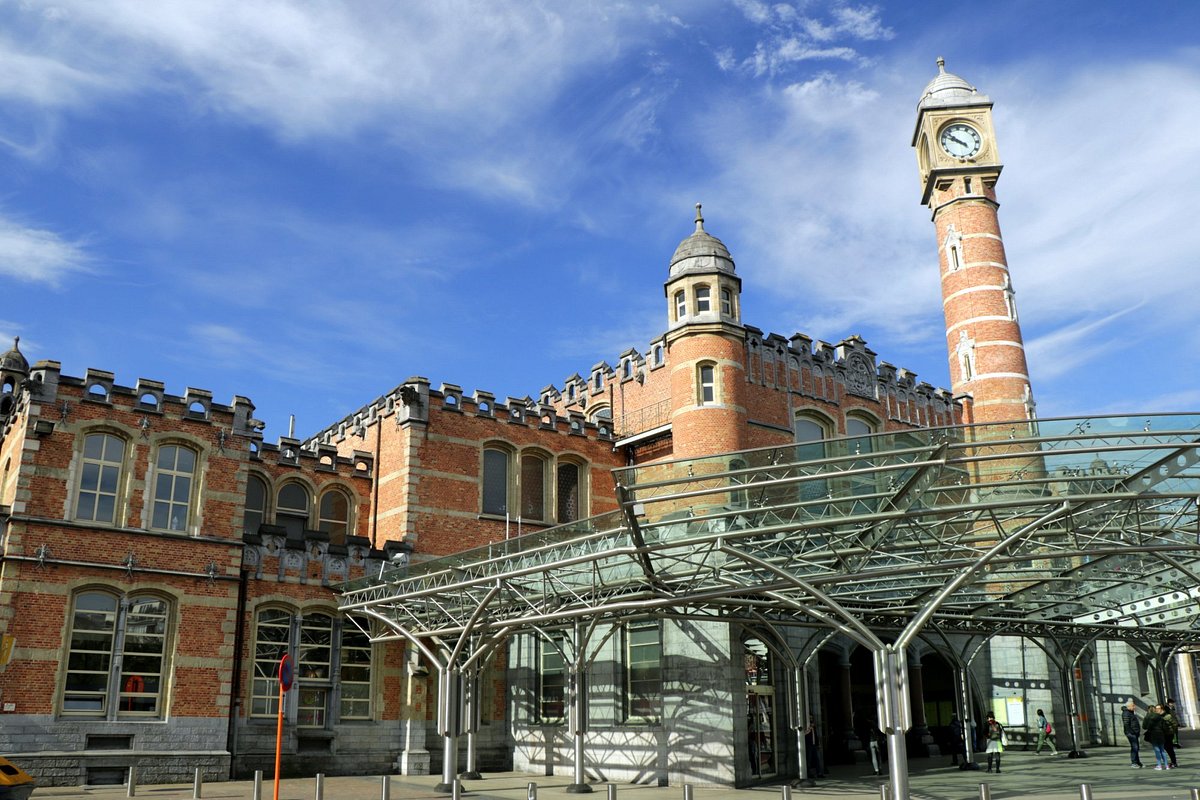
{"x": 885, "y": 791}
{"x": 785, "y": 792}
{"x": 131, "y": 787}
{"x": 386, "y": 790}
{"x": 688, "y": 792}
{"x": 258, "y": 784}
{"x": 456, "y": 789}
{"x": 985, "y": 792}
{"x": 532, "y": 794}
{"x": 198, "y": 784}
{"x": 1195, "y": 794}
{"x": 320, "y": 786}
{"x": 612, "y": 791}
{"x": 1085, "y": 791}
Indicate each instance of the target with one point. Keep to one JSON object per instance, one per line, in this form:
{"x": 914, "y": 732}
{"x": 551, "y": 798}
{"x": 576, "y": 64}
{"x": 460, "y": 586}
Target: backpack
{"x": 1049, "y": 730}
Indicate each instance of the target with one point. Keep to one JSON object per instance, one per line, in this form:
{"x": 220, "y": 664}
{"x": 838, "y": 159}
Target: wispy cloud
{"x": 37, "y": 255}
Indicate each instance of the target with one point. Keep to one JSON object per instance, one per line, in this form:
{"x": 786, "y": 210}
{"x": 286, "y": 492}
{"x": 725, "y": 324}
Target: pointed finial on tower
{"x": 16, "y": 341}
{"x": 941, "y": 66}
{"x": 699, "y": 220}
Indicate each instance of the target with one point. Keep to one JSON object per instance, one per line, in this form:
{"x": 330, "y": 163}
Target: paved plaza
{"x": 1025, "y": 775}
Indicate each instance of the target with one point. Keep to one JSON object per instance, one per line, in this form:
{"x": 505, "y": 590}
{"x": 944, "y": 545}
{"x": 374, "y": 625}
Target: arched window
{"x": 495, "y": 481}
{"x": 99, "y": 478}
{"x": 255, "y": 513}
{"x": 570, "y": 492}
{"x": 314, "y": 665}
{"x": 355, "y": 674}
{"x": 334, "y": 515}
{"x": 703, "y": 299}
{"x": 658, "y": 354}
{"x": 533, "y": 486}
{"x": 173, "y": 481}
{"x": 272, "y": 641}
{"x": 706, "y": 384}
{"x": 680, "y": 305}
{"x": 94, "y": 672}
{"x": 291, "y": 509}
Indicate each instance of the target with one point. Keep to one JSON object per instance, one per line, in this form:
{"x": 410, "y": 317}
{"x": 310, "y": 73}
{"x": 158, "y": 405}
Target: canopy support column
{"x": 965, "y": 716}
{"x": 579, "y": 710}
{"x": 449, "y": 724}
{"x": 472, "y": 715}
{"x": 895, "y": 717}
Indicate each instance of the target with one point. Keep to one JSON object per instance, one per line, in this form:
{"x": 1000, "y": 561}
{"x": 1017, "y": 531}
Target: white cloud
{"x": 36, "y": 255}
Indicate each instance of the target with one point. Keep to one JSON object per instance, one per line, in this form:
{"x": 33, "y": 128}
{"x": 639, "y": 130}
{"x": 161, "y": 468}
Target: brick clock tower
{"x": 960, "y": 165}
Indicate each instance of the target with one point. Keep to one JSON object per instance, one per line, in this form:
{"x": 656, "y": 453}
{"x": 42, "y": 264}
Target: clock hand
{"x": 960, "y": 141}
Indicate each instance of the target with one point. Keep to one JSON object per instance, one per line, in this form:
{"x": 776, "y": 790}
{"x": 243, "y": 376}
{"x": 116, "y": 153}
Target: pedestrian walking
{"x": 956, "y": 741}
{"x": 1155, "y": 728}
{"x": 1045, "y": 734}
{"x": 1172, "y": 721}
{"x": 993, "y": 733}
{"x": 1133, "y": 732}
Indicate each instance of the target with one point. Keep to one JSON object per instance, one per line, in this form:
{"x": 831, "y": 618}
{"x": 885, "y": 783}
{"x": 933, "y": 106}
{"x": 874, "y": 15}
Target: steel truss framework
{"x": 1066, "y": 530}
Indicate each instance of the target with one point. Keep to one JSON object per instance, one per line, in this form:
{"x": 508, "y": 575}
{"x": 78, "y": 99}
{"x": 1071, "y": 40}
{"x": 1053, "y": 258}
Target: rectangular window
{"x": 271, "y": 639}
{"x": 703, "y": 301}
{"x": 495, "y": 482}
{"x": 680, "y": 305}
{"x": 143, "y": 656}
{"x": 552, "y": 682}
{"x": 643, "y": 672}
{"x": 314, "y": 662}
{"x": 89, "y": 662}
{"x": 726, "y": 303}
{"x": 707, "y": 392}
{"x": 356, "y": 675}
{"x": 568, "y": 492}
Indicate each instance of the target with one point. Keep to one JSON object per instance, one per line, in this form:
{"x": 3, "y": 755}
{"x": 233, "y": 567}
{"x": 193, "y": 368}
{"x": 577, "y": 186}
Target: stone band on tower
{"x": 960, "y": 165}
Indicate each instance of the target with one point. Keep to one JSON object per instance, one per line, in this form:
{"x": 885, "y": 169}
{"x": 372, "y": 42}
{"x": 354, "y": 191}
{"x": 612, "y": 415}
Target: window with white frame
{"x": 680, "y": 304}
{"x": 355, "y": 674}
{"x": 706, "y": 384}
{"x": 726, "y": 303}
{"x": 99, "y": 478}
{"x": 323, "y": 648}
{"x": 174, "y": 472}
{"x": 105, "y": 625}
{"x": 552, "y": 681}
{"x": 643, "y": 672}
{"x": 703, "y": 299}
{"x": 255, "y": 512}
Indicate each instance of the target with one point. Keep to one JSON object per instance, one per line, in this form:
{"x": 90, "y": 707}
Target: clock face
{"x": 960, "y": 140}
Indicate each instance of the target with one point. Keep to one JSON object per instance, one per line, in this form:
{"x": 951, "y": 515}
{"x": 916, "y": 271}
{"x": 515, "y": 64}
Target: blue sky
{"x": 306, "y": 203}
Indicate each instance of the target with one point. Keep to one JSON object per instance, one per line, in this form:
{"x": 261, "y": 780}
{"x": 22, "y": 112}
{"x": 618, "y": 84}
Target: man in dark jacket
{"x": 1133, "y": 732}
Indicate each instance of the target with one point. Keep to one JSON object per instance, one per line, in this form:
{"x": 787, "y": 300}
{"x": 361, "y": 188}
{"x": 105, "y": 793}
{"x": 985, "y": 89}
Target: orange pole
{"x": 278, "y": 739}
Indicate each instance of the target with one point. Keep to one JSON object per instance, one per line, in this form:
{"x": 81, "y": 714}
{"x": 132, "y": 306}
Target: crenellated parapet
{"x": 581, "y": 393}
{"x": 414, "y": 402}
{"x": 828, "y": 372}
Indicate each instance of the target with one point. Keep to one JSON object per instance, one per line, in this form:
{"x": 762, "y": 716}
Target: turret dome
{"x": 948, "y": 89}
{"x": 701, "y": 253}
{"x": 13, "y": 360}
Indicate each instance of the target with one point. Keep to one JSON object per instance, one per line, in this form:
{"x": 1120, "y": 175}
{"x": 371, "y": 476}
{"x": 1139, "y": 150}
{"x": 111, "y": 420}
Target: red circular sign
{"x": 285, "y": 672}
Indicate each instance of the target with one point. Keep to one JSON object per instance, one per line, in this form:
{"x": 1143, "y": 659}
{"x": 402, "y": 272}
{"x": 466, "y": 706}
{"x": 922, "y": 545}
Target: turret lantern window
{"x": 703, "y": 299}
{"x": 680, "y": 305}
{"x": 706, "y": 388}
{"x": 726, "y": 303}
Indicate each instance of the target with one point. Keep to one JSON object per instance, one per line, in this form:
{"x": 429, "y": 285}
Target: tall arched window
{"x": 173, "y": 480}
{"x": 334, "y": 515}
{"x": 272, "y": 641}
{"x": 314, "y": 666}
{"x": 495, "y": 481}
{"x": 291, "y": 509}
{"x": 99, "y": 478}
{"x": 255, "y": 513}
{"x": 570, "y": 492}
{"x": 103, "y": 626}
{"x": 533, "y": 486}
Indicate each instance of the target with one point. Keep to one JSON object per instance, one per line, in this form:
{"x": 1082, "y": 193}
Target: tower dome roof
{"x": 13, "y": 360}
{"x": 701, "y": 253}
{"x": 948, "y": 89}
